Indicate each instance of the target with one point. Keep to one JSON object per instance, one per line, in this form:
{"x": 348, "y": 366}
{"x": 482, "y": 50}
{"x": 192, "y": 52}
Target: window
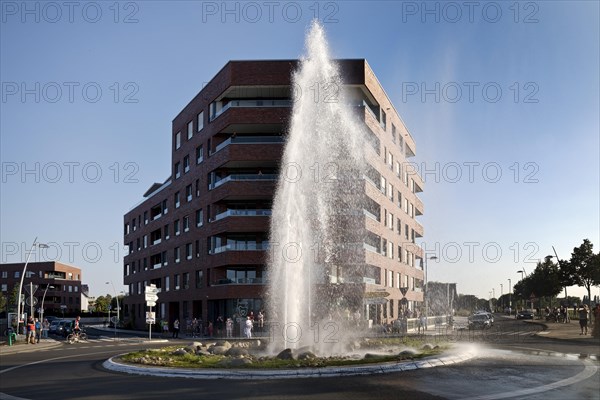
{"x": 188, "y": 251}
{"x": 126, "y": 229}
{"x": 163, "y": 257}
{"x": 166, "y": 231}
{"x": 197, "y": 249}
{"x": 186, "y": 223}
{"x": 200, "y": 121}
{"x": 190, "y": 129}
{"x": 390, "y": 250}
{"x": 199, "y": 154}
{"x": 177, "y": 169}
{"x": 177, "y": 140}
{"x": 199, "y": 279}
{"x": 176, "y": 227}
{"x": 145, "y": 217}
{"x": 197, "y": 187}
{"x": 176, "y": 200}
{"x": 393, "y": 133}
{"x": 176, "y": 281}
{"x": 186, "y": 280}
{"x": 199, "y": 218}
{"x": 167, "y": 284}
{"x": 390, "y": 191}
{"x": 145, "y": 241}
{"x": 390, "y": 280}
{"x": 4, "y": 287}
{"x": 186, "y": 164}
{"x": 177, "y": 254}
{"x": 5, "y": 274}
{"x": 133, "y": 224}
{"x": 390, "y": 221}
{"x": 188, "y": 193}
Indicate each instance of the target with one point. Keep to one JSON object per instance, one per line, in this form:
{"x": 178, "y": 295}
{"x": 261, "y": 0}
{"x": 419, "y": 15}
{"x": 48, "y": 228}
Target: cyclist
{"x": 76, "y": 326}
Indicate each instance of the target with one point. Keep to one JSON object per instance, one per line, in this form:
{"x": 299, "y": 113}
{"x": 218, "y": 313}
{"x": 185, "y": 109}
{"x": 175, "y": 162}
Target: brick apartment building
{"x": 201, "y": 236}
{"x": 64, "y": 292}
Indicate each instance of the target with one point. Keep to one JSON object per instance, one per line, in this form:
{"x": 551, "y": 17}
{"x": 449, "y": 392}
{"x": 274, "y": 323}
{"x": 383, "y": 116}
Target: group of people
{"x": 36, "y": 329}
{"x": 197, "y": 328}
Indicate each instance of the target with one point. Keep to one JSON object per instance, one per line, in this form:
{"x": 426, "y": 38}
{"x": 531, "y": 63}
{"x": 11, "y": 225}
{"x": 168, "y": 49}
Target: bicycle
{"x": 76, "y": 337}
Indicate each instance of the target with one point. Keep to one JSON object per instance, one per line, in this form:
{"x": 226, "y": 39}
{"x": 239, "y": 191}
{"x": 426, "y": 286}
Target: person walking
{"x": 229, "y": 327}
{"x": 38, "y": 330}
{"x": 176, "y": 329}
{"x": 30, "y": 331}
{"x": 248, "y": 328}
{"x": 45, "y": 328}
{"x": 596, "y": 326}
{"x": 583, "y": 319}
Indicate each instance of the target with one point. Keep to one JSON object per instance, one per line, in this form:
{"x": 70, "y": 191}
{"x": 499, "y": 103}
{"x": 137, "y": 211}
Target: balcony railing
{"x": 240, "y": 246}
{"x": 240, "y": 281}
{"x": 242, "y": 213}
{"x": 249, "y": 140}
{"x": 243, "y": 177}
{"x": 251, "y": 103}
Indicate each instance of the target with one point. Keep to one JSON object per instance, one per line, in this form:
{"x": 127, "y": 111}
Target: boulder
{"x": 220, "y": 350}
{"x": 239, "y": 362}
{"x": 285, "y": 355}
{"x": 223, "y": 343}
{"x": 306, "y": 355}
{"x": 427, "y": 346}
{"x": 236, "y": 351}
{"x": 179, "y": 352}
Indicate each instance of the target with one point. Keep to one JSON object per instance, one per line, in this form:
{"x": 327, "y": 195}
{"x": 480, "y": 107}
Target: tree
{"x": 584, "y": 266}
{"x": 102, "y": 303}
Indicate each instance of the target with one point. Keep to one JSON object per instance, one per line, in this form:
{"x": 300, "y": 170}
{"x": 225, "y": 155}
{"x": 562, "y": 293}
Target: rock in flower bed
{"x": 225, "y": 354}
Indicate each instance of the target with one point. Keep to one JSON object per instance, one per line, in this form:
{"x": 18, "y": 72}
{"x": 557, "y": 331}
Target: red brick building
{"x": 64, "y": 281}
{"x": 201, "y": 235}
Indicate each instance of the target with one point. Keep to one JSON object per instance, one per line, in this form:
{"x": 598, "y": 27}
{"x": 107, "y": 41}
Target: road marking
{"x": 588, "y": 372}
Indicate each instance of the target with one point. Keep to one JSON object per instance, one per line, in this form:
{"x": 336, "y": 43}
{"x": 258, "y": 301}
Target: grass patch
{"x": 165, "y": 357}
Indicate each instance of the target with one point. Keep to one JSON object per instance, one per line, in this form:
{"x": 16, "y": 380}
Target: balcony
{"x": 249, "y": 140}
{"x": 242, "y": 213}
{"x": 243, "y": 177}
{"x": 240, "y": 281}
{"x": 251, "y": 104}
{"x": 240, "y": 246}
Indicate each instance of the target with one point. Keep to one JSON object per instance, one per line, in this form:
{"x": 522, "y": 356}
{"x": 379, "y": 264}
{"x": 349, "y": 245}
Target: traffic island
{"x": 234, "y": 360}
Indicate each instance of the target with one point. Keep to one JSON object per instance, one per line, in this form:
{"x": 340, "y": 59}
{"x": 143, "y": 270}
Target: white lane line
{"x": 588, "y": 372}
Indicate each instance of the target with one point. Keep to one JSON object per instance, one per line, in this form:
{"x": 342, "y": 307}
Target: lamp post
{"x": 426, "y": 287}
{"x": 509, "y": 296}
{"x": 42, "y": 246}
{"x": 502, "y": 294}
{"x": 44, "y": 298}
{"x": 117, "y": 300}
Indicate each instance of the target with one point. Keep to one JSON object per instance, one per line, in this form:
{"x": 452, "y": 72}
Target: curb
{"x": 22, "y": 348}
{"x": 326, "y": 372}
{"x": 547, "y": 329}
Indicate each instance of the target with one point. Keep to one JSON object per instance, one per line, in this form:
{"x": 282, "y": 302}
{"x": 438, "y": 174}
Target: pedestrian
{"x": 45, "y": 328}
{"x": 165, "y": 328}
{"x": 210, "y": 329}
{"x": 596, "y": 326}
{"x": 220, "y": 324}
{"x": 38, "y": 330}
{"x": 229, "y": 327}
{"x": 583, "y": 319}
{"x": 176, "y": 328}
{"x": 261, "y": 319}
{"x": 248, "y": 328}
{"x": 30, "y": 331}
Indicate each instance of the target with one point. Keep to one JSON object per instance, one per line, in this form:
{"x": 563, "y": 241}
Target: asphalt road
{"x": 510, "y": 363}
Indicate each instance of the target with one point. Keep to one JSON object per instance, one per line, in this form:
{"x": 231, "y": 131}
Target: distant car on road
{"x": 479, "y": 321}
{"x": 525, "y": 314}
{"x": 489, "y": 315}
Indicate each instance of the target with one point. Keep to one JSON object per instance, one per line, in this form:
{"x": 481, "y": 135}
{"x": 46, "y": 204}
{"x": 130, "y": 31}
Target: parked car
{"x": 479, "y": 321}
{"x": 525, "y": 314}
{"x": 53, "y": 325}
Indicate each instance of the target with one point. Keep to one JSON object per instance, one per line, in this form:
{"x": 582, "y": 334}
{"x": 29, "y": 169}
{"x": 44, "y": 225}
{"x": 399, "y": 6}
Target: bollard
{"x": 12, "y": 337}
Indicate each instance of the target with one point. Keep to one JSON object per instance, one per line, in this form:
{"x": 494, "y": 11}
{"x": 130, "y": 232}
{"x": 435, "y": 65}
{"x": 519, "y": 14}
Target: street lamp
{"x": 510, "y": 289}
{"x": 117, "y": 300}
{"x": 558, "y": 262}
{"x": 44, "y": 298}
{"x": 41, "y": 246}
{"x": 426, "y": 287}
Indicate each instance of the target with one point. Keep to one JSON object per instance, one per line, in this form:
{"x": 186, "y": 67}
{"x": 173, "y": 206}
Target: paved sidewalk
{"x": 22, "y": 347}
{"x": 569, "y": 331}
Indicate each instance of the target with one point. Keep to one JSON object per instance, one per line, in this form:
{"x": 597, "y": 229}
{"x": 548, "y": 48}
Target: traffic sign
{"x": 31, "y": 301}
{"x": 114, "y": 319}
{"x": 151, "y": 303}
{"x": 151, "y": 297}
{"x": 150, "y": 317}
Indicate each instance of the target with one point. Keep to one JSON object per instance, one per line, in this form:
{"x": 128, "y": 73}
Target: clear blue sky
{"x": 528, "y": 108}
